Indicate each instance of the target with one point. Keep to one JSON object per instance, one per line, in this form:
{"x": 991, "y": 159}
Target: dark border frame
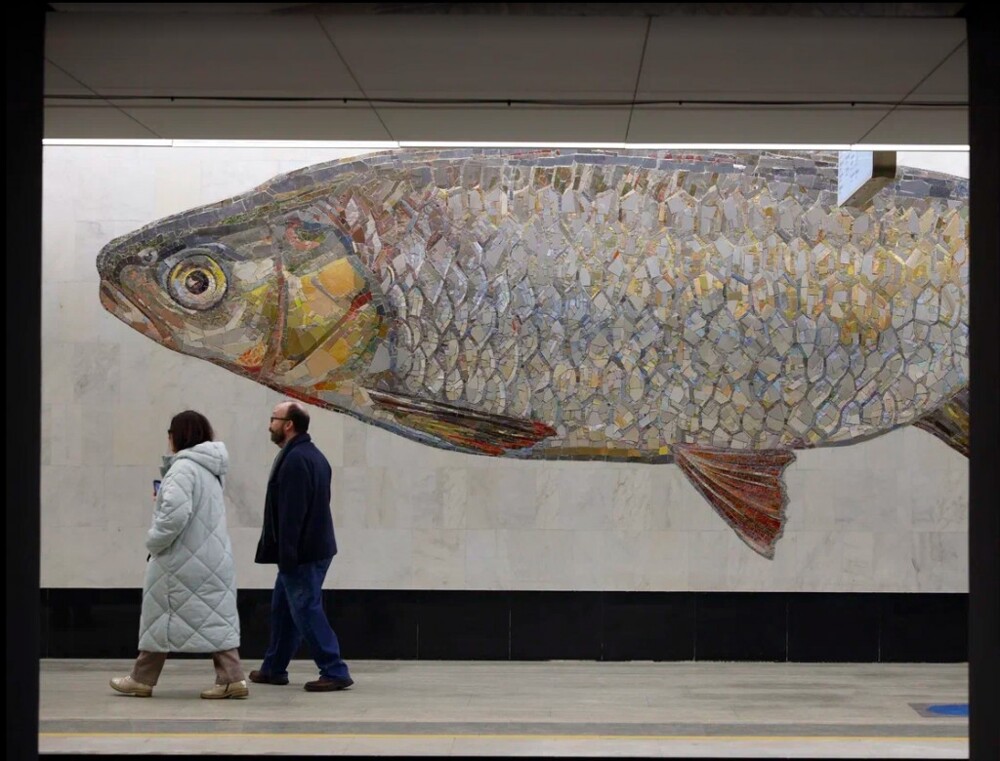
{"x": 25, "y": 35}
{"x": 25, "y": 55}
{"x": 984, "y": 338}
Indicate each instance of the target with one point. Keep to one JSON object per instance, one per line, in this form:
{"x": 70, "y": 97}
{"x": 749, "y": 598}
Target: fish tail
{"x": 950, "y": 422}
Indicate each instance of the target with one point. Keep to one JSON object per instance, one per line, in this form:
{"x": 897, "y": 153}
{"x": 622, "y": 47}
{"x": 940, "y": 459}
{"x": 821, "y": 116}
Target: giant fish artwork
{"x": 716, "y": 310}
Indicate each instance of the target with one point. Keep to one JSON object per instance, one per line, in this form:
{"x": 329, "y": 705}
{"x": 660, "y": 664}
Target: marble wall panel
{"x": 887, "y": 514}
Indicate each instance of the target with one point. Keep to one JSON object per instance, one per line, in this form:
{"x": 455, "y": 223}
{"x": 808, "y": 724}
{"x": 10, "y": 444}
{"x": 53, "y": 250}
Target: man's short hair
{"x": 299, "y": 417}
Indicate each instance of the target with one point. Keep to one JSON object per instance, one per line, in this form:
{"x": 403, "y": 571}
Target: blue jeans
{"x": 297, "y": 614}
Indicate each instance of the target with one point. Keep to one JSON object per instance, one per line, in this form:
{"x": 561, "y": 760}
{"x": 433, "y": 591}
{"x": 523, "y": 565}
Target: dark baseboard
{"x": 531, "y": 626}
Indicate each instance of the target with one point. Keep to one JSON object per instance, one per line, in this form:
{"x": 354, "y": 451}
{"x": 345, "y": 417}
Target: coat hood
{"x": 211, "y": 455}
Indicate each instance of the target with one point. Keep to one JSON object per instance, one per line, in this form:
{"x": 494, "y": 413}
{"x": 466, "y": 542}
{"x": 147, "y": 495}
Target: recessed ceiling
{"x": 686, "y": 73}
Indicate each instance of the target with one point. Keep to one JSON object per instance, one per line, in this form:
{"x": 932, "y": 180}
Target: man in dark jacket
{"x": 298, "y": 536}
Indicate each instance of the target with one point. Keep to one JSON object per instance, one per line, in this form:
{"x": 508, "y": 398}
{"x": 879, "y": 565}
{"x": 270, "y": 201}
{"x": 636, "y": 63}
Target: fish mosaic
{"x": 715, "y": 310}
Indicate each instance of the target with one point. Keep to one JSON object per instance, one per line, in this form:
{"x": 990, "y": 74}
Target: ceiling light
{"x": 390, "y": 144}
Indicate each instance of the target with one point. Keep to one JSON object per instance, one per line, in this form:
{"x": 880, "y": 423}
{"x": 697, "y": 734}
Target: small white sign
{"x": 854, "y": 169}
{"x": 861, "y": 174}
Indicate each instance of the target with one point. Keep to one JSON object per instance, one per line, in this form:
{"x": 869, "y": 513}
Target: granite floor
{"x": 556, "y": 708}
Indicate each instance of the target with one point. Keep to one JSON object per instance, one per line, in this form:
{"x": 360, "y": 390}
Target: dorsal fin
{"x": 744, "y": 486}
{"x": 950, "y": 422}
{"x": 468, "y": 429}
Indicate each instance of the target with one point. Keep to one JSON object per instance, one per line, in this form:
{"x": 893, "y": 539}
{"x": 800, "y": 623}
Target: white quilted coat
{"x": 189, "y": 595}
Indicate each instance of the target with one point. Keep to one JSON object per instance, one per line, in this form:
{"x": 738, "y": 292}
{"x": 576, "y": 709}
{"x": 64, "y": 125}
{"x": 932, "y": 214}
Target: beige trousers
{"x": 227, "y": 667}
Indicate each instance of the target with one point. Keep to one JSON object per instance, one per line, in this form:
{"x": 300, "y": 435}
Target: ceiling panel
{"x": 203, "y": 54}
{"x": 256, "y": 60}
{"x": 735, "y": 125}
{"x": 59, "y": 81}
{"x": 491, "y": 57}
{"x": 247, "y": 122}
{"x": 949, "y": 82}
{"x": 86, "y": 122}
{"x": 175, "y": 7}
{"x": 949, "y": 127}
{"x": 508, "y": 124}
{"x": 762, "y": 58}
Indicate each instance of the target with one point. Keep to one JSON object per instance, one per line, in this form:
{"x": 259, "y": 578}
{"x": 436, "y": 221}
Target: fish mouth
{"x": 122, "y": 307}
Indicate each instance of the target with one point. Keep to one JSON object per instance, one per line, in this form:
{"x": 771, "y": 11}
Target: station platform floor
{"x": 511, "y": 708}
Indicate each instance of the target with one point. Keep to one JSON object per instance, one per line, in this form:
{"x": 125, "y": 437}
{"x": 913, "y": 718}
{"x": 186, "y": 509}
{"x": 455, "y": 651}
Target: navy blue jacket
{"x": 298, "y": 524}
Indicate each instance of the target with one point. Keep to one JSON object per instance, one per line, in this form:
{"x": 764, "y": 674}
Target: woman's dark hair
{"x": 190, "y": 428}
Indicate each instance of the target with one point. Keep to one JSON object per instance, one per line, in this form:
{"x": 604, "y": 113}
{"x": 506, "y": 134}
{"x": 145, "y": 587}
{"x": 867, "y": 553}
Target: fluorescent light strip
{"x": 630, "y": 146}
{"x": 182, "y": 143}
{"x": 390, "y": 144}
{"x": 373, "y": 144}
{"x": 915, "y": 148}
{"x": 686, "y": 146}
{"x": 96, "y": 142}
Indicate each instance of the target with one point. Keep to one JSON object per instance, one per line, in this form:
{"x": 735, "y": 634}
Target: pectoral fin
{"x": 744, "y": 486}
{"x": 950, "y": 422}
{"x": 468, "y": 429}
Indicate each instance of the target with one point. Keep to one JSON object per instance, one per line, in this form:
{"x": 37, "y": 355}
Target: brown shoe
{"x": 128, "y": 686}
{"x": 259, "y": 677}
{"x": 329, "y": 684}
{"x": 232, "y": 690}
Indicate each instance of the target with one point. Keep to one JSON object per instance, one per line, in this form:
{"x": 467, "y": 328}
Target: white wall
{"x": 884, "y": 515}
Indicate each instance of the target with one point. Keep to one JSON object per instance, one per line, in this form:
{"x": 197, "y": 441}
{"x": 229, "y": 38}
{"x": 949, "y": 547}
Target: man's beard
{"x": 278, "y": 437}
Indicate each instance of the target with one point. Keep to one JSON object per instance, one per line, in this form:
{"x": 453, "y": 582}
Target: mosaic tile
{"x": 592, "y": 304}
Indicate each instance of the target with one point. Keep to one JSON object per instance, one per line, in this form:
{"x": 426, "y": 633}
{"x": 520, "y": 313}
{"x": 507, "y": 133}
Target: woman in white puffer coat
{"x": 189, "y": 595}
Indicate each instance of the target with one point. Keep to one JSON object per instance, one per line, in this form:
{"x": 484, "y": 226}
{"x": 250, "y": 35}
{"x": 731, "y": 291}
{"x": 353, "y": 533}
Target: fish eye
{"x": 197, "y": 282}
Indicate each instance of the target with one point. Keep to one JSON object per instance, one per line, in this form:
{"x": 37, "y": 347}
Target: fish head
{"x": 269, "y": 289}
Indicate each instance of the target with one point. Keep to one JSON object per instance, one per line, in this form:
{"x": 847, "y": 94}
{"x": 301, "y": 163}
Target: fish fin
{"x": 744, "y": 486}
{"x": 465, "y": 428}
{"x": 950, "y": 422}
